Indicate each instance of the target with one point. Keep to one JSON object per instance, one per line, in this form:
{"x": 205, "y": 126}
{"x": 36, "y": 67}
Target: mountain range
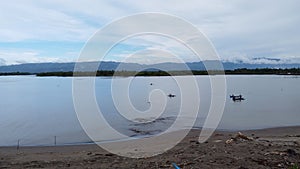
{"x": 109, "y": 65}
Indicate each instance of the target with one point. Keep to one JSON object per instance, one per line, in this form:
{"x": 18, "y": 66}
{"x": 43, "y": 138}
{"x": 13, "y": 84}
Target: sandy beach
{"x": 265, "y": 148}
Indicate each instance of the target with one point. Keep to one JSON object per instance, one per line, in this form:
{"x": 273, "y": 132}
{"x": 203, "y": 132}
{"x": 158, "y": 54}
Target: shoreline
{"x": 146, "y": 136}
{"x": 272, "y": 147}
{"x": 150, "y": 73}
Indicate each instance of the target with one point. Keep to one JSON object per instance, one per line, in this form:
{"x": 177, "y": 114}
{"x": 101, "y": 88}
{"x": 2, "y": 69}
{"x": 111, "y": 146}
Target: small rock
{"x": 297, "y": 142}
{"x": 291, "y": 152}
{"x": 218, "y": 141}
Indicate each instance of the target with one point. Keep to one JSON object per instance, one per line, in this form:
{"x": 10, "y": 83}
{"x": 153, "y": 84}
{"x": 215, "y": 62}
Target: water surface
{"x": 36, "y": 109}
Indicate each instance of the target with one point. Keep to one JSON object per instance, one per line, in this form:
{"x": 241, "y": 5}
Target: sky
{"x": 257, "y": 31}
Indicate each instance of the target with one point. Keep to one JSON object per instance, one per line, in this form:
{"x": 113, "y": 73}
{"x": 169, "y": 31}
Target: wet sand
{"x": 266, "y": 148}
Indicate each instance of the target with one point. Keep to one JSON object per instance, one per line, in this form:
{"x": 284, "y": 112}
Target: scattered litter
{"x": 289, "y": 152}
{"x": 175, "y": 166}
{"x": 276, "y": 153}
{"x": 229, "y": 141}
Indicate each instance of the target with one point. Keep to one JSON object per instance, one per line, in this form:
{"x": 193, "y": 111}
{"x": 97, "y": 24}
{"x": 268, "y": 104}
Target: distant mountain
{"x": 232, "y": 66}
{"x": 88, "y": 66}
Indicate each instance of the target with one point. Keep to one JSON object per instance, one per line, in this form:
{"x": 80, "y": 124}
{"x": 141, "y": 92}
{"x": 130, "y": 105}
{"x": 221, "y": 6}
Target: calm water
{"x": 35, "y": 109}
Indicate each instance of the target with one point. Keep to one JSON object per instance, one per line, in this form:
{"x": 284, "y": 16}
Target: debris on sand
{"x": 239, "y": 135}
{"x": 175, "y": 166}
{"x": 276, "y": 153}
{"x": 140, "y": 132}
{"x": 289, "y": 152}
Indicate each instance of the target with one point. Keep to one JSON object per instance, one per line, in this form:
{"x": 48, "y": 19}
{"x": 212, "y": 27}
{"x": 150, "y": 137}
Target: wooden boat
{"x": 171, "y": 95}
{"x": 237, "y": 97}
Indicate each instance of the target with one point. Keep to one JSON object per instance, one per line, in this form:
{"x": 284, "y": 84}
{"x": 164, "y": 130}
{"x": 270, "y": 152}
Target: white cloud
{"x": 263, "y": 60}
{"x": 27, "y": 20}
{"x": 152, "y": 56}
{"x": 257, "y": 29}
{"x": 151, "y": 49}
{"x": 11, "y": 58}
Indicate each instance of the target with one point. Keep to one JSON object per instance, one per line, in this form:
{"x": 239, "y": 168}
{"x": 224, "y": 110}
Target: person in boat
{"x": 236, "y": 98}
{"x": 171, "y": 95}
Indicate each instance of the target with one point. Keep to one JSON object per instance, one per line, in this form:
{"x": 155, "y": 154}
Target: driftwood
{"x": 239, "y": 135}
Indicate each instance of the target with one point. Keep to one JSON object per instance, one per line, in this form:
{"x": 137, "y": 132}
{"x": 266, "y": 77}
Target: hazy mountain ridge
{"x": 88, "y": 66}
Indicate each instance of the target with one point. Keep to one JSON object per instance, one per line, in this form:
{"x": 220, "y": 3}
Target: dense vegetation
{"x": 266, "y": 71}
{"x": 292, "y": 71}
{"x": 14, "y": 73}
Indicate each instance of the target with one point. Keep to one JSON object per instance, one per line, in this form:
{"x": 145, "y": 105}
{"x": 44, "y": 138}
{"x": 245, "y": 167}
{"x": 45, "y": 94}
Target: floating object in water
{"x": 171, "y": 95}
{"x": 237, "y": 98}
{"x": 175, "y": 166}
{"x": 151, "y": 84}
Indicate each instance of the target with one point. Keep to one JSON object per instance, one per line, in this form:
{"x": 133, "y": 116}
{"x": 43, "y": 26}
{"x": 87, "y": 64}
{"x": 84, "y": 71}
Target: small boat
{"x": 171, "y": 95}
{"x": 237, "y": 97}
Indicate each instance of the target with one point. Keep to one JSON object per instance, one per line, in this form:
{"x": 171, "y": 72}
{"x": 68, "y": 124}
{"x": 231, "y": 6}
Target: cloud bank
{"x": 240, "y": 30}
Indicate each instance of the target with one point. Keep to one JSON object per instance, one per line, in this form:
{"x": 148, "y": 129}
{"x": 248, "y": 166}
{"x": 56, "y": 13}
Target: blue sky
{"x": 55, "y": 31}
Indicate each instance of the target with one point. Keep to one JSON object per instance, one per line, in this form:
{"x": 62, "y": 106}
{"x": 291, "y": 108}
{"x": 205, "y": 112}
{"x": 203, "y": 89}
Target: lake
{"x": 35, "y": 110}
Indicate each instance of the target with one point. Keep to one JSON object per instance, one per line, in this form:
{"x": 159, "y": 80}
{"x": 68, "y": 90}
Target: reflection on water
{"x": 35, "y": 110}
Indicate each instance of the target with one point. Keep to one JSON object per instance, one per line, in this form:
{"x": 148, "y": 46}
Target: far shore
{"x": 125, "y": 73}
{"x": 262, "y": 148}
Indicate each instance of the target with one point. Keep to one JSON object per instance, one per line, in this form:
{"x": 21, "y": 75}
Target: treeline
{"x": 65, "y": 74}
{"x": 123, "y": 73}
{"x": 15, "y": 73}
{"x": 106, "y": 73}
{"x": 244, "y": 71}
{"x": 266, "y": 71}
